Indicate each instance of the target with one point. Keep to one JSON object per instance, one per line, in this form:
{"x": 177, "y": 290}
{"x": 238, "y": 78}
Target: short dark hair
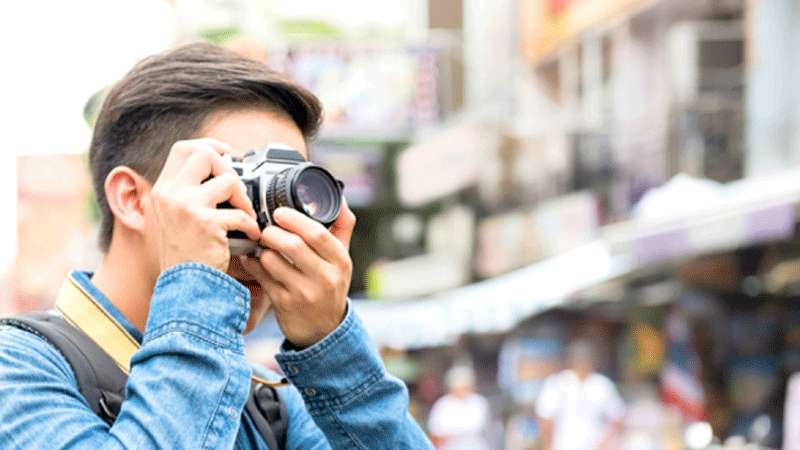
{"x": 167, "y": 97}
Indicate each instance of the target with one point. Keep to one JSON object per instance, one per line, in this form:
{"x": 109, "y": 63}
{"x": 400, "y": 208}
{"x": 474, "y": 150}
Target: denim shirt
{"x": 189, "y": 381}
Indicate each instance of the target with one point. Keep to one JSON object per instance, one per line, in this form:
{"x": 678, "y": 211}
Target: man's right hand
{"x": 194, "y": 180}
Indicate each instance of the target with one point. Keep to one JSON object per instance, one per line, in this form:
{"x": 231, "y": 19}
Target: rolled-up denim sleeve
{"x": 187, "y": 387}
{"x": 349, "y": 394}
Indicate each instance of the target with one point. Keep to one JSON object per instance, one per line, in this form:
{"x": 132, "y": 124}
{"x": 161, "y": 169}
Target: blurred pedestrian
{"x": 578, "y": 408}
{"x": 458, "y": 420}
{"x": 791, "y": 419}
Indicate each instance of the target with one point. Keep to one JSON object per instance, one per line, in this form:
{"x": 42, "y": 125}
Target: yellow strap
{"x": 85, "y": 313}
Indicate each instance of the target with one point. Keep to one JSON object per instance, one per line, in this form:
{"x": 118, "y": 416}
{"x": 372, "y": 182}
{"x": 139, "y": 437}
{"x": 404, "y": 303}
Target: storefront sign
{"x": 360, "y": 167}
{"x": 548, "y": 24}
{"x": 442, "y": 164}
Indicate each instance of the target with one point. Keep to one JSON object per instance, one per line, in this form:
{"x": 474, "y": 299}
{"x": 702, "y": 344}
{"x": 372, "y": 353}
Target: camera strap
{"x": 83, "y": 312}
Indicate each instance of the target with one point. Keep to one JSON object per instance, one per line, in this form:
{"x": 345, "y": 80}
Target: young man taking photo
{"x": 169, "y": 286}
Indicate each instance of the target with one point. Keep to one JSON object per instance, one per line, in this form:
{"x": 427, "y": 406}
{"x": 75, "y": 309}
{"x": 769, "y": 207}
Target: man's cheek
{"x": 238, "y": 271}
{"x": 256, "y": 291}
{"x": 235, "y": 268}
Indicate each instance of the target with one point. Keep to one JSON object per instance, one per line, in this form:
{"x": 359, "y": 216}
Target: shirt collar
{"x": 84, "y": 279}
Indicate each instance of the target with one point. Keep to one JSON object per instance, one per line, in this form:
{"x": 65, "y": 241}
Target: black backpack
{"x": 102, "y": 383}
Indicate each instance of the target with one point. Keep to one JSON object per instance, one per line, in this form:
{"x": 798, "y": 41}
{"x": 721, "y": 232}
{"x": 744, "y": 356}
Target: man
{"x": 578, "y": 408}
{"x": 167, "y": 277}
{"x": 459, "y": 420}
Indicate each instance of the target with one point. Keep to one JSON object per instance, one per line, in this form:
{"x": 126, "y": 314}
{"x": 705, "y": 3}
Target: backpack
{"x": 102, "y": 383}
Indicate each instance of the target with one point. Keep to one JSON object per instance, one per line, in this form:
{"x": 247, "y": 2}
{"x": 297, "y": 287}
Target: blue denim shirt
{"x": 189, "y": 382}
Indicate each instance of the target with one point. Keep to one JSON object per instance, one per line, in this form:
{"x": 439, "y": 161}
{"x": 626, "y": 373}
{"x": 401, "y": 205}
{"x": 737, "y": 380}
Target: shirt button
{"x": 293, "y": 369}
{"x": 311, "y": 392}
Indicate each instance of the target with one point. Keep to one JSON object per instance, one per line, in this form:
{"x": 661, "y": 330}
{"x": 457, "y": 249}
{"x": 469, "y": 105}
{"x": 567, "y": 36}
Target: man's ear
{"x": 125, "y": 192}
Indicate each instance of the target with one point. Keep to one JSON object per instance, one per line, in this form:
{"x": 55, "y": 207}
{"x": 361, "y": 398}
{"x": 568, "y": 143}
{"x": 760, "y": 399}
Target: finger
{"x": 181, "y": 151}
{"x": 227, "y": 187}
{"x": 203, "y": 163}
{"x": 280, "y": 270}
{"x": 252, "y": 266}
{"x": 294, "y": 248}
{"x": 343, "y": 228}
{"x": 312, "y": 233}
{"x": 278, "y": 294}
{"x": 275, "y": 290}
{"x": 236, "y": 220}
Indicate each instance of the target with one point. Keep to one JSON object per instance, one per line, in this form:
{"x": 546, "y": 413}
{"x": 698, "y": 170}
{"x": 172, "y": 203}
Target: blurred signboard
{"x": 368, "y": 89}
{"x": 416, "y": 276}
{"x": 548, "y": 24}
{"x": 511, "y": 240}
{"x": 524, "y": 363}
{"x": 359, "y": 167}
{"x": 505, "y": 242}
{"x": 443, "y": 163}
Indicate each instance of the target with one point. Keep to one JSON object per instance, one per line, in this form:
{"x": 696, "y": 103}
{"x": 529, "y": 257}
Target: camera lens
{"x": 318, "y": 194}
{"x": 309, "y": 189}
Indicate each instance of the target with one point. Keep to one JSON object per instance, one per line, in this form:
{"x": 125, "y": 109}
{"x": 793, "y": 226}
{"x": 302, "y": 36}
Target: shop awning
{"x": 490, "y": 306}
{"x": 691, "y": 222}
{"x": 733, "y": 215}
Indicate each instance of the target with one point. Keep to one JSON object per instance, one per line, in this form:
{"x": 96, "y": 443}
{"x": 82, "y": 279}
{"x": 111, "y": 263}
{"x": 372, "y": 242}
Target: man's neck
{"x": 122, "y": 277}
{"x": 581, "y": 375}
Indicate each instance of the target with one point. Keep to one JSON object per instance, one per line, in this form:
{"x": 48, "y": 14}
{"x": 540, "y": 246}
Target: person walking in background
{"x": 791, "y": 418}
{"x": 578, "y": 408}
{"x": 459, "y": 419}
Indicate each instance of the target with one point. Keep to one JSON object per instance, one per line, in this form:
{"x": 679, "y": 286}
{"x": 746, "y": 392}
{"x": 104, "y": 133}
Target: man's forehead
{"x": 249, "y": 129}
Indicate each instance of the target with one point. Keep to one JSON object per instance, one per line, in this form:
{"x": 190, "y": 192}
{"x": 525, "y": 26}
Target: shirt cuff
{"x": 202, "y": 301}
{"x": 335, "y": 370}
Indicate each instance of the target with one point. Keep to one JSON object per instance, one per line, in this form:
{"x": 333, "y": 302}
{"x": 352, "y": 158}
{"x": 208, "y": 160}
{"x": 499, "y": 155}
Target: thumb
{"x": 342, "y": 229}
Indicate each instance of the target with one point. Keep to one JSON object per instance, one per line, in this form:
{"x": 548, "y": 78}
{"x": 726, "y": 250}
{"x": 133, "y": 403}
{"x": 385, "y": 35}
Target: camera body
{"x": 278, "y": 176}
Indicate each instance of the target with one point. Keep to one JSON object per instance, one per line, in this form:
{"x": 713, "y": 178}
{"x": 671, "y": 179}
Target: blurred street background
{"x": 539, "y": 184}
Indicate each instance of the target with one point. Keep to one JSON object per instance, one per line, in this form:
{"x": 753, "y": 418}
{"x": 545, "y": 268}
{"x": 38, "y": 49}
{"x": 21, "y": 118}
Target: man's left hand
{"x": 305, "y": 270}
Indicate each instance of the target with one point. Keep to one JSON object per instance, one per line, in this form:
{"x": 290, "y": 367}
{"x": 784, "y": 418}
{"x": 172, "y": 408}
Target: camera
{"x": 278, "y": 176}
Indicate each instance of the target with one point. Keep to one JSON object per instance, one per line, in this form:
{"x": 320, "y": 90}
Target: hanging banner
{"x": 548, "y": 24}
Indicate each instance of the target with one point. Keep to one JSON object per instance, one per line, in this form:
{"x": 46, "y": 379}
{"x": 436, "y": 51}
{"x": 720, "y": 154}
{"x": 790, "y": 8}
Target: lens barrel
{"x": 307, "y": 188}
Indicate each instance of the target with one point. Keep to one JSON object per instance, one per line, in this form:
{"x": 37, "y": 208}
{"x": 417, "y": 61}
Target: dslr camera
{"x": 278, "y": 176}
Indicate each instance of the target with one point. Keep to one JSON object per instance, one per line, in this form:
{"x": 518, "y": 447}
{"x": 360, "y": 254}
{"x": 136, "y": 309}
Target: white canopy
{"x": 740, "y": 213}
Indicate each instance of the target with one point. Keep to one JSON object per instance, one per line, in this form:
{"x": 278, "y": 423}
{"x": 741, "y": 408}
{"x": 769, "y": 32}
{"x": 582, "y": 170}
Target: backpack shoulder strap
{"x": 269, "y": 415}
{"x": 100, "y": 381}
